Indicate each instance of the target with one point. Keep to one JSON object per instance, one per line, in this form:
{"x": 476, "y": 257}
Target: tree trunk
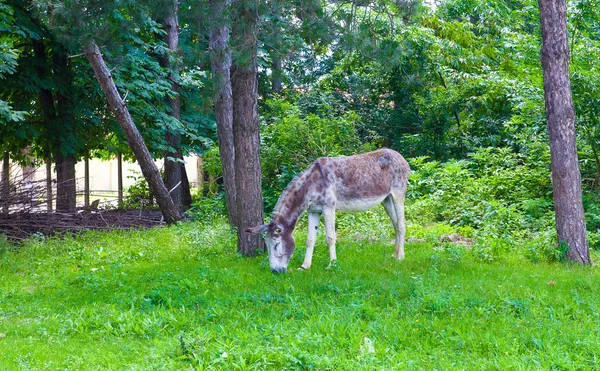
{"x": 66, "y": 185}
{"x": 223, "y": 102}
{"x": 5, "y": 183}
{"x": 49, "y": 116}
{"x": 212, "y": 185}
{"x": 136, "y": 142}
{"x": 276, "y": 80}
{"x": 186, "y": 193}
{"x": 275, "y": 52}
{"x": 173, "y": 168}
{"x": 200, "y": 175}
{"x": 244, "y": 85}
{"x": 66, "y": 190}
{"x": 120, "y": 204}
{"x": 49, "y": 193}
{"x": 560, "y": 114}
{"x": 86, "y": 180}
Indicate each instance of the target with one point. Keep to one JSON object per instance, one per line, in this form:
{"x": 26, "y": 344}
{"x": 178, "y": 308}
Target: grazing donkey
{"x": 346, "y": 183}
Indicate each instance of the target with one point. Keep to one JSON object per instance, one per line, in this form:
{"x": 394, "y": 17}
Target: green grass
{"x": 180, "y": 298}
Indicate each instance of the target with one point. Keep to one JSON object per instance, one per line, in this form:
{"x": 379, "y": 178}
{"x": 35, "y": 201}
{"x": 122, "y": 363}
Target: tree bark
{"x": 244, "y": 85}
{"x": 223, "y": 103}
{"x": 66, "y": 182}
{"x": 200, "y": 175}
{"x": 276, "y": 74}
{"x": 5, "y": 183}
{"x": 186, "y": 194}
{"x": 276, "y": 80}
{"x": 49, "y": 116}
{"x": 49, "y": 191}
{"x": 120, "y": 204}
{"x": 173, "y": 167}
{"x": 86, "y": 180}
{"x": 136, "y": 142}
{"x": 560, "y": 114}
{"x": 66, "y": 192}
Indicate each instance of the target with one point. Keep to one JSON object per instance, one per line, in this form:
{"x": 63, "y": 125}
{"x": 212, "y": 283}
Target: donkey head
{"x": 280, "y": 244}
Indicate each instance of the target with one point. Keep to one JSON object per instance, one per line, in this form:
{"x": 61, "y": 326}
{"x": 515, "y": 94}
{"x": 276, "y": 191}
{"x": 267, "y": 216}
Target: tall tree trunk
{"x": 86, "y": 180}
{"x": 49, "y": 192}
{"x": 136, "y": 142}
{"x": 173, "y": 168}
{"x": 66, "y": 192}
{"x": 223, "y": 102}
{"x": 200, "y": 175}
{"x": 560, "y": 114}
{"x": 5, "y": 183}
{"x": 120, "y": 203}
{"x": 186, "y": 194}
{"x": 66, "y": 186}
{"x": 244, "y": 85}
{"x": 276, "y": 73}
{"x": 276, "y": 80}
{"x": 49, "y": 116}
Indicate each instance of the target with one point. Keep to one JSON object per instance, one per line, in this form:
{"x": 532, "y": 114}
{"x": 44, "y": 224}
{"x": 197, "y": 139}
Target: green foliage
{"x": 504, "y": 197}
{"x": 209, "y": 208}
{"x": 180, "y": 298}
{"x": 138, "y": 195}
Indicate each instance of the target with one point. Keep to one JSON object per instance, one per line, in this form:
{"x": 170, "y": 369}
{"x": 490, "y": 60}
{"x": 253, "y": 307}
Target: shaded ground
{"x": 20, "y": 225}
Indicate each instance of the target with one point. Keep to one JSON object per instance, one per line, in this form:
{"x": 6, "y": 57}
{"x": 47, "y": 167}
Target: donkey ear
{"x": 255, "y": 230}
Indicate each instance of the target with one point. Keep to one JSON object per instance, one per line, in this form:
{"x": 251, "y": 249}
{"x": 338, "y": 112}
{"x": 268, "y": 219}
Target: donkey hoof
{"x": 398, "y": 257}
{"x": 302, "y": 268}
{"x": 333, "y": 265}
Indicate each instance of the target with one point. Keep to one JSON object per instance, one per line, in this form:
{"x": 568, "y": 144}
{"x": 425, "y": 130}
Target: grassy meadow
{"x": 180, "y": 298}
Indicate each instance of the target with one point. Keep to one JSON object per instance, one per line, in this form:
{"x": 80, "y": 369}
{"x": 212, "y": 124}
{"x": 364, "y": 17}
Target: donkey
{"x": 345, "y": 183}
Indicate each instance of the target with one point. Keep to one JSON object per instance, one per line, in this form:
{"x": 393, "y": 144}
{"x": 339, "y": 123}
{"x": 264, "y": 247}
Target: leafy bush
{"x": 503, "y": 196}
{"x": 139, "y": 194}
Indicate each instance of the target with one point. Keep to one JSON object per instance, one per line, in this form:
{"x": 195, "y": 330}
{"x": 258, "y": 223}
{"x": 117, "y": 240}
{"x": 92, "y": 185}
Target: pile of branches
{"x": 20, "y": 225}
{"x": 23, "y": 196}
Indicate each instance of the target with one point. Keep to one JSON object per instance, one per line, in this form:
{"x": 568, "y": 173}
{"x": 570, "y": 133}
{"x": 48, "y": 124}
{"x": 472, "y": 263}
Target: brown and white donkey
{"x": 346, "y": 183}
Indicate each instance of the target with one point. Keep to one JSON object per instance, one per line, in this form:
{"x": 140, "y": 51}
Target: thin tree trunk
{"x": 173, "y": 168}
{"x": 244, "y": 85}
{"x": 86, "y": 176}
{"x": 200, "y": 175}
{"x": 120, "y": 180}
{"x": 212, "y": 184}
{"x": 560, "y": 114}
{"x": 276, "y": 80}
{"x": 136, "y": 142}
{"x": 276, "y": 74}
{"x": 186, "y": 193}
{"x": 5, "y": 183}
{"x": 49, "y": 192}
{"x": 223, "y": 102}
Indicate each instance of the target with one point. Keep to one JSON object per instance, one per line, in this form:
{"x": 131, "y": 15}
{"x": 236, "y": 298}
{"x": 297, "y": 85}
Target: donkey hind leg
{"x": 394, "y": 206}
{"x": 329, "y": 219}
{"x": 313, "y": 224}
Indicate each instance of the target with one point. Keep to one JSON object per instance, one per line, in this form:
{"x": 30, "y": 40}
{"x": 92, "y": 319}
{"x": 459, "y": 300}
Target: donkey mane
{"x": 294, "y": 194}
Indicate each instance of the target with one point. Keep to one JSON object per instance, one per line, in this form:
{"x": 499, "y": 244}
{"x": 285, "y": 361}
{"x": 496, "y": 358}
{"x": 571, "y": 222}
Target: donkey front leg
{"x": 313, "y": 225}
{"x": 329, "y": 218}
